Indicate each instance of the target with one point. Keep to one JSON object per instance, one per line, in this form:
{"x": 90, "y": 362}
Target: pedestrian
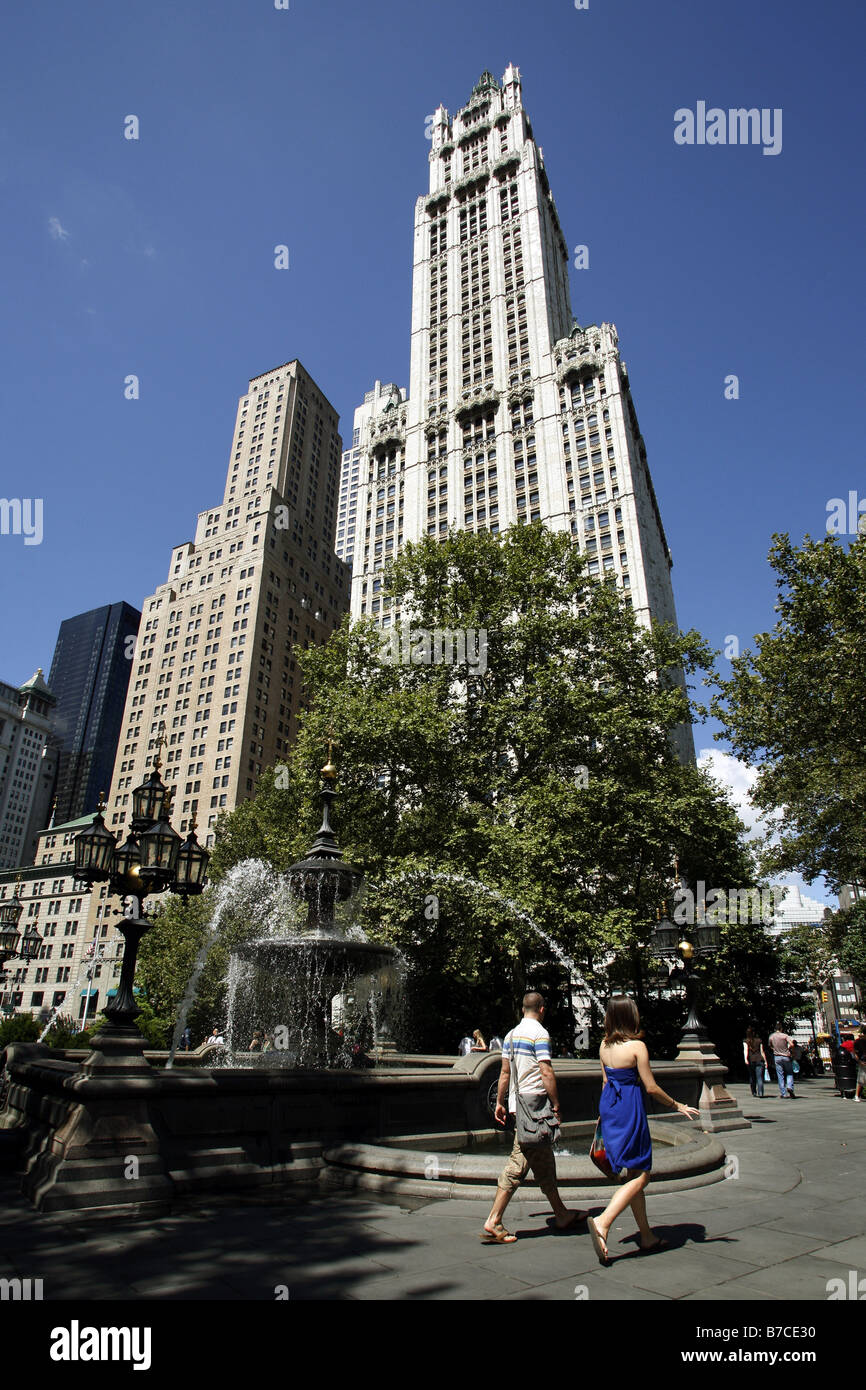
{"x": 782, "y": 1047}
{"x": 465, "y": 1046}
{"x": 753, "y": 1051}
{"x": 478, "y": 1043}
{"x": 495, "y": 1044}
{"x": 186, "y": 1040}
{"x": 622, "y": 1115}
{"x": 528, "y": 1077}
{"x": 860, "y": 1054}
{"x": 255, "y": 1043}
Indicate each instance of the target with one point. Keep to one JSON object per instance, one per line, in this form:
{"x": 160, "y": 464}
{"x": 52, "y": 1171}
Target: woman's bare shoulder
{"x": 640, "y": 1047}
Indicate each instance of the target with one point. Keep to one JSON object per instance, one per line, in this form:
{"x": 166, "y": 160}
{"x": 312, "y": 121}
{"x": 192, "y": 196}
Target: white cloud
{"x": 57, "y": 232}
{"x": 738, "y": 779}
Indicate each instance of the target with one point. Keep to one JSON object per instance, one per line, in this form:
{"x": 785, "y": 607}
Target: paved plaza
{"x": 793, "y": 1218}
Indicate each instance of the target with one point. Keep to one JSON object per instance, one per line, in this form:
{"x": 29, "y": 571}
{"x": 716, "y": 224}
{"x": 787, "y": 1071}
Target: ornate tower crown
{"x": 486, "y": 83}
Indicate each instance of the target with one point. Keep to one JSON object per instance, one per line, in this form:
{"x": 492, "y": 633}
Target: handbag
{"x": 598, "y": 1153}
{"x": 536, "y": 1121}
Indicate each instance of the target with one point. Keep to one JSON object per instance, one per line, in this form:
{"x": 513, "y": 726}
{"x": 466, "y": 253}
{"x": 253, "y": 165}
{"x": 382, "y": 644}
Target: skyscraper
{"x": 514, "y": 412}
{"x": 89, "y": 678}
{"x": 213, "y": 665}
{"x": 374, "y": 401}
{"x": 27, "y": 767}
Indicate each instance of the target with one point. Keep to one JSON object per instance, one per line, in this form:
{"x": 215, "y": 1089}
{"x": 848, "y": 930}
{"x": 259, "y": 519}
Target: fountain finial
{"x": 329, "y": 771}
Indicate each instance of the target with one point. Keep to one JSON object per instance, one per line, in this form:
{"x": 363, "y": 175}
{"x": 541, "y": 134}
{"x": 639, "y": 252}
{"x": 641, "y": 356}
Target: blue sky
{"x": 306, "y": 127}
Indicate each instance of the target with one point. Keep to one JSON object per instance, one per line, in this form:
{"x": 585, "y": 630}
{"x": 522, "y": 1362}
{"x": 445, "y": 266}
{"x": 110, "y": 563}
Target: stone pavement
{"x": 791, "y": 1218}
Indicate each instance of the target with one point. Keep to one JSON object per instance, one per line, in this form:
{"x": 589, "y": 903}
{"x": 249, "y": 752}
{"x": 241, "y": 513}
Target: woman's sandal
{"x": 498, "y": 1236}
{"x": 599, "y": 1244}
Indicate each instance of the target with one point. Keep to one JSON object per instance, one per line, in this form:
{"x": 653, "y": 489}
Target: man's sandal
{"x": 498, "y": 1236}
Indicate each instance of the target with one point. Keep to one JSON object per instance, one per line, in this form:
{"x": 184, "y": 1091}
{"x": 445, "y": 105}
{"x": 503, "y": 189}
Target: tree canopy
{"x": 796, "y": 708}
{"x": 538, "y": 781}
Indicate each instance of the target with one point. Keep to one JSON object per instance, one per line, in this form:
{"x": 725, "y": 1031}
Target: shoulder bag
{"x": 536, "y": 1121}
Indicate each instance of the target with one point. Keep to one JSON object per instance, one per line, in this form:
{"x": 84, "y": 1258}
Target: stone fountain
{"x": 130, "y": 1136}
{"x": 321, "y": 997}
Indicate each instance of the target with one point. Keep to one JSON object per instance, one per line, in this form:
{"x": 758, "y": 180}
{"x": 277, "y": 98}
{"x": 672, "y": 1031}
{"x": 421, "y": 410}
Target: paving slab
{"x": 673, "y": 1273}
{"x": 803, "y": 1278}
{"x": 849, "y": 1252}
{"x": 585, "y": 1289}
{"x": 824, "y": 1222}
{"x": 793, "y": 1218}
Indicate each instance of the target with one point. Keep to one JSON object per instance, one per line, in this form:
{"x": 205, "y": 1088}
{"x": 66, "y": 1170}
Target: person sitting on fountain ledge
{"x": 528, "y": 1073}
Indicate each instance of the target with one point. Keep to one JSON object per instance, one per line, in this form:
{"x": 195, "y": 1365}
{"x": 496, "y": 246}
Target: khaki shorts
{"x": 537, "y": 1158}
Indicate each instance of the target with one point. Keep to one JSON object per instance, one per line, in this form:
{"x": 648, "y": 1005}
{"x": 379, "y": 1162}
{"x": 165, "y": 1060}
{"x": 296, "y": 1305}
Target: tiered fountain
{"x": 323, "y": 998}
{"x": 303, "y": 1111}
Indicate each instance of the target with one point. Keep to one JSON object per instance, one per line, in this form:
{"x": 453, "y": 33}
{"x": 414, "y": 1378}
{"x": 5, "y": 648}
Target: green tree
{"x": 796, "y": 707}
{"x": 847, "y": 932}
{"x": 546, "y": 775}
{"x": 19, "y": 1028}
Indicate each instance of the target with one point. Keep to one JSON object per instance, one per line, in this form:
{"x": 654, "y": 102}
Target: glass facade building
{"x": 89, "y": 678}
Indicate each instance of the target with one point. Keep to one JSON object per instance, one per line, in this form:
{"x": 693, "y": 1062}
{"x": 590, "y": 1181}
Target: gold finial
{"x": 329, "y": 771}
{"x": 161, "y": 741}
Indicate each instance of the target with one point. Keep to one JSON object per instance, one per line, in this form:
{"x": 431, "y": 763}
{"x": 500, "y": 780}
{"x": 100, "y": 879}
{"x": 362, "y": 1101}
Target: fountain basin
{"x": 207, "y": 1130}
{"x": 444, "y": 1166}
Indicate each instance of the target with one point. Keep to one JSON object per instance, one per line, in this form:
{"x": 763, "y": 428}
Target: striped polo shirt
{"x": 528, "y": 1043}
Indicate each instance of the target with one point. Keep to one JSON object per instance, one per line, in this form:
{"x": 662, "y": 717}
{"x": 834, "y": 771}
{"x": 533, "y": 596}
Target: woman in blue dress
{"x": 624, "y": 1065}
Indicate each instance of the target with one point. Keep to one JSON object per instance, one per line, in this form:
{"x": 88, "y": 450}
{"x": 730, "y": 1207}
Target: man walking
{"x": 526, "y": 1060}
{"x": 782, "y": 1046}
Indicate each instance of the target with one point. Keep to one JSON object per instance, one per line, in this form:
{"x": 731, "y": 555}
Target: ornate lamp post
{"x": 152, "y": 859}
{"x": 704, "y": 941}
{"x": 719, "y": 1110}
{"x": 12, "y": 945}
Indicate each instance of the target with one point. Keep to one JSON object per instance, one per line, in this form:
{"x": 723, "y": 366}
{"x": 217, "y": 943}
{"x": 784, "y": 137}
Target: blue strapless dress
{"x": 623, "y": 1121}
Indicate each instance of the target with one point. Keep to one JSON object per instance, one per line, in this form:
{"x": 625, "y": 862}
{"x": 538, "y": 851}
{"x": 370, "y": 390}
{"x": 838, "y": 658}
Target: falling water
{"x": 58, "y": 1009}
{"x": 258, "y": 889}
{"x": 473, "y": 885}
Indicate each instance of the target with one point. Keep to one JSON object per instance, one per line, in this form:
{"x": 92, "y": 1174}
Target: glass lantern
{"x": 664, "y": 936}
{"x": 160, "y": 846}
{"x": 94, "y": 851}
{"x": 31, "y": 944}
{"x": 192, "y": 862}
{"x": 148, "y": 802}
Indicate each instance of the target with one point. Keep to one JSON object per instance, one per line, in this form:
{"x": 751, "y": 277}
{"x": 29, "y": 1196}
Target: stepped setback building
{"x": 514, "y": 412}
{"x": 213, "y": 665}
